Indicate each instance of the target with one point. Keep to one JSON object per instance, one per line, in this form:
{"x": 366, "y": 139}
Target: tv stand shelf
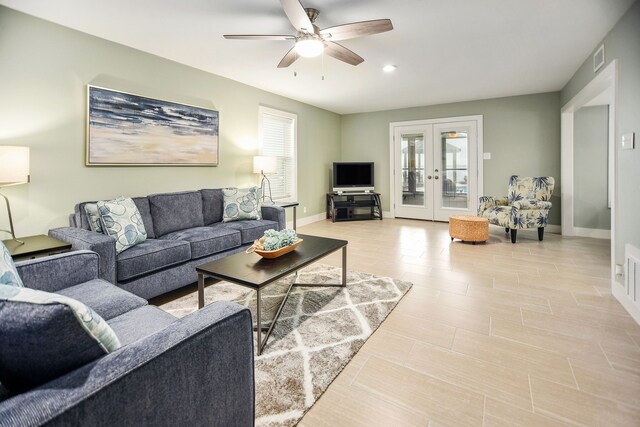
{"x": 353, "y": 206}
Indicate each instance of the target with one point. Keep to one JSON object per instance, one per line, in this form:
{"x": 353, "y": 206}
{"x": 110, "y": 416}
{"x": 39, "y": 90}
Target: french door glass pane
{"x": 455, "y": 169}
{"x": 412, "y": 164}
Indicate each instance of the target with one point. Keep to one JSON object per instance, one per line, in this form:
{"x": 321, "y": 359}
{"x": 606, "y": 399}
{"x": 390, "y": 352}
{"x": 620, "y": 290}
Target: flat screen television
{"x": 352, "y": 176}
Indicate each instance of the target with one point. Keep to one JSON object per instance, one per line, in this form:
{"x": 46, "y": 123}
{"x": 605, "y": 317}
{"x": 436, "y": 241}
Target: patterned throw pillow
{"x": 241, "y": 203}
{"x": 8, "y": 273}
{"x": 121, "y": 219}
{"x": 44, "y": 335}
{"x": 94, "y": 217}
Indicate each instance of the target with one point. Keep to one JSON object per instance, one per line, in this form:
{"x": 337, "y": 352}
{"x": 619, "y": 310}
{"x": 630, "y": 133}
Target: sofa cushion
{"x": 44, "y": 335}
{"x": 82, "y": 220}
{"x": 212, "y": 205}
{"x": 121, "y": 220}
{"x": 93, "y": 216}
{"x": 251, "y": 230}
{"x": 8, "y": 272}
{"x": 104, "y": 298}
{"x": 151, "y": 255}
{"x": 241, "y": 204}
{"x": 139, "y": 323}
{"x": 207, "y": 240}
{"x": 176, "y": 211}
{"x": 145, "y": 212}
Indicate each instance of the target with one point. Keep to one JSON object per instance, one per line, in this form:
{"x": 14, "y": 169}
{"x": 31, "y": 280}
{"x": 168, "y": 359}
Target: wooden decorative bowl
{"x": 277, "y": 252}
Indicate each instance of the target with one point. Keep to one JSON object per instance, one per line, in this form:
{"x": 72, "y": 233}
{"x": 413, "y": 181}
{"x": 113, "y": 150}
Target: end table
{"x": 35, "y": 247}
{"x": 285, "y": 205}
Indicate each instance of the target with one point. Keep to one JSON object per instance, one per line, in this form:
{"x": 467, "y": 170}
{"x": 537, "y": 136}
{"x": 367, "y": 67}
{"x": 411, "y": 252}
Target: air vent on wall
{"x": 598, "y": 58}
{"x": 632, "y": 273}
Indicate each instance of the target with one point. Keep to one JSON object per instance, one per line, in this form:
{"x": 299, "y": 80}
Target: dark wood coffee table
{"x": 255, "y": 272}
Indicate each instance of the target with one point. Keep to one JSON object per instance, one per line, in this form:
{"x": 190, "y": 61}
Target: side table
{"x": 35, "y": 247}
{"x": 285, "y": 205}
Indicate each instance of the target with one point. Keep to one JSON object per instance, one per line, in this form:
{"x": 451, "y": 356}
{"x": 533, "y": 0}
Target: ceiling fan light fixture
{"x": 389, "y": 68}
{"x": 309, "y": 47}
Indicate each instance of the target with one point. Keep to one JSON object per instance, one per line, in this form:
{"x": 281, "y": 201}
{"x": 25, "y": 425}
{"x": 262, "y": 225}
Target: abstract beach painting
{"x": 127, "y": 130}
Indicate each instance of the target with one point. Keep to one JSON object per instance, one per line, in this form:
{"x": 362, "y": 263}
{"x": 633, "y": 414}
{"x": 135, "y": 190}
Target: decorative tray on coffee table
{"x": 272, "y": 254}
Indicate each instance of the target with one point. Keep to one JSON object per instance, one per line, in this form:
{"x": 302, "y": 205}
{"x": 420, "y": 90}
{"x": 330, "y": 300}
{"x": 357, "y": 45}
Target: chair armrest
{"x": 275, "y": 213}
{"x": 103, "y": 245}
{"x": 528, "y": 204}
{"x": 196, "y": 371}
{"x": 56, "y": 272}
{"x": 488, "y": 202}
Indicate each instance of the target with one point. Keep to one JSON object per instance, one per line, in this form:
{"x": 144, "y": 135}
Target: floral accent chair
{"x": 526, "y": 206}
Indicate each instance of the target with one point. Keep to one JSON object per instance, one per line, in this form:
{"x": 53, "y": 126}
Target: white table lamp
{"x": 14, "y": 170}
{"x": 264, "y": 165}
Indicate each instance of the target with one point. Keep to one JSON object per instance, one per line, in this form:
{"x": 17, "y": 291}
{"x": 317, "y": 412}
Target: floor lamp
{"x": 14, "y": 170}
{"x": 264, "y": 165}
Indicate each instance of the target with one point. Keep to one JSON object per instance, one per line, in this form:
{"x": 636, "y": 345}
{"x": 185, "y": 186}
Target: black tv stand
{"x": 353, "y": 206}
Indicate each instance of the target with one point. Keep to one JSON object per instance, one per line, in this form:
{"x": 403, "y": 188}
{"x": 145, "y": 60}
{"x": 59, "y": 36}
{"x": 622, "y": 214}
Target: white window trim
{"x": 294, "y": 117}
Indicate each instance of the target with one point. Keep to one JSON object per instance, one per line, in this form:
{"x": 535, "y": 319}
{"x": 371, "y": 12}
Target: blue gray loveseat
{"x": 184, "y": 230}
{"x": 197, "y": 370}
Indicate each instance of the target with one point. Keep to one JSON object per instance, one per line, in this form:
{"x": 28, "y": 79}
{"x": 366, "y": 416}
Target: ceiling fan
{"x": 311, "y": 41}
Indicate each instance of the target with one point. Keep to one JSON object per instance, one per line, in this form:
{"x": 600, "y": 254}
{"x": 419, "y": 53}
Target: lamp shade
{"x": 14, "y": 165}
{"x": 264, "y": 164}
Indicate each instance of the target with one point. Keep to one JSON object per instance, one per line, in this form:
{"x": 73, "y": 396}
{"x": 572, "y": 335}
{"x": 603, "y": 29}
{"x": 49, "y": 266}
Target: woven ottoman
{"x": 469, "y": 228}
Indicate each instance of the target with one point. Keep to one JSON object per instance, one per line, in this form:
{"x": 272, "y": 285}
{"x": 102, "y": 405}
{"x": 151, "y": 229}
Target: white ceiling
{"x": 445, "y": 50}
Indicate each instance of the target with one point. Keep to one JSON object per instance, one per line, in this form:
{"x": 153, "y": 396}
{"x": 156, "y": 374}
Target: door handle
{"x": 436, "y": 177}
{"x": 429, "y": 177}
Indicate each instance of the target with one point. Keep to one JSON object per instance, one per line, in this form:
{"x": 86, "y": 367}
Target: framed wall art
{"x": 124, "y": 129}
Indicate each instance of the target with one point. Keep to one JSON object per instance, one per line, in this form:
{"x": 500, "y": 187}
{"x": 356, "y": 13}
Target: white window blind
{"x": 278, "y": 139}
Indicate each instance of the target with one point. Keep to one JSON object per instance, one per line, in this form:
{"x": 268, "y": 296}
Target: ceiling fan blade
{"x": 297, "y": 16}
{"x": 342, "y": 53}
{"x": 289, "y": 58}
{"x": 257, "y": 37}
{"x": 357, "y": 29}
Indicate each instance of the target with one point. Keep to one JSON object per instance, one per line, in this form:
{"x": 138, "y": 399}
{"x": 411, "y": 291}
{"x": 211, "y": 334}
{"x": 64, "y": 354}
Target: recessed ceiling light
{"x": 389, "y": 68}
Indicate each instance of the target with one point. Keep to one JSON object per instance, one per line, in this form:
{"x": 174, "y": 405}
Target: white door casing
{"x": 462, "y": 195}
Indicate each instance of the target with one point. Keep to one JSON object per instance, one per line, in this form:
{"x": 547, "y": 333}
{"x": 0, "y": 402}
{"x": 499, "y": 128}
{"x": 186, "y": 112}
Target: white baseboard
{"x": 307, "y": 220}
{"x": 620, "y": 293}
{"x": 555, "y": 229}
{"x": 592, "y": 232}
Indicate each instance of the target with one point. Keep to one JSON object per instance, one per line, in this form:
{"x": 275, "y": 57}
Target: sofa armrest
{"x": 275, "y": 213}
{"x": 196, "y": 371}
{"x": 528, "y": 204}
{"x": 103, "y": 245}
{"x": 56, "y": 272}
{"x": 488, "y": 202}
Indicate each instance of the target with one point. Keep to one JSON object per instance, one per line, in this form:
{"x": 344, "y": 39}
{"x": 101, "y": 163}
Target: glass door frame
{"x": 417, "y": 211}
{"x": 394, "y": 162}
{"x": 441, "y": 212}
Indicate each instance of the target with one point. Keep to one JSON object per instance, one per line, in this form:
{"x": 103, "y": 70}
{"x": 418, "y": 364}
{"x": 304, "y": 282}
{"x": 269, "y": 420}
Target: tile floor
{"x": 494, "y": 334}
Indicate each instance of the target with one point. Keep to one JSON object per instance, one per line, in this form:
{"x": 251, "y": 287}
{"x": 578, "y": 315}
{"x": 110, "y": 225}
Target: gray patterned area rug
{"x": 319, "y": 331}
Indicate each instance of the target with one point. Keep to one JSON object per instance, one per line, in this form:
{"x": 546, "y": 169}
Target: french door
{"x": 435, "y": 169}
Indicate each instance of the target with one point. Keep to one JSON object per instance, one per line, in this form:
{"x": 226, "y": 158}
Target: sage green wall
{"x": 590, "y": 158}
{"x": 621, "y": 43}
{"x": 43, "y": 77}
{"x": 522, "y": 133}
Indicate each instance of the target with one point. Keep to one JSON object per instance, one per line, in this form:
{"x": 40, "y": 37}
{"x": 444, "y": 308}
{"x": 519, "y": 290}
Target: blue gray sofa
{"x": 184, "y": 230}
{"x": 197, "y": 370}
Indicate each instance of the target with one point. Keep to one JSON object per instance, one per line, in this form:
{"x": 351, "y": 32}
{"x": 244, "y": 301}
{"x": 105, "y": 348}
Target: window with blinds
{"x": 278, "y": 135}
